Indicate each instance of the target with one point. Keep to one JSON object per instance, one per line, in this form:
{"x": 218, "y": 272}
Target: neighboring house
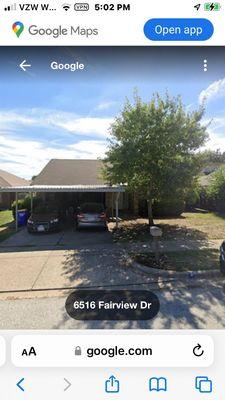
{"x": 86, "y": 174}
{"x": 9, "y": 180}
{"x": 208, "y": 173}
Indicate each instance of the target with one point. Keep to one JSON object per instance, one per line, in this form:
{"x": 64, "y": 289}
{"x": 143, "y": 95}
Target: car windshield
{"x": 92, "y": 208}
{"x": 45, "y": 210}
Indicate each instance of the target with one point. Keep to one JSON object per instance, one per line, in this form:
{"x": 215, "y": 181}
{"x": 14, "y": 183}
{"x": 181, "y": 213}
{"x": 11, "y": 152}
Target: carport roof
{"x": 63, "y": 188}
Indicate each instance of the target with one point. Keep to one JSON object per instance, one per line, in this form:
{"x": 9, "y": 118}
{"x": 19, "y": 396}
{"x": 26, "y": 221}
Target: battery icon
{"x": 212, "y": 6}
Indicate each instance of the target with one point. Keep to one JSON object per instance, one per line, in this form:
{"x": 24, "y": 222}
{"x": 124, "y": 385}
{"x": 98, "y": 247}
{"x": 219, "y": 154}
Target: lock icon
{"x": 77, "y": 351}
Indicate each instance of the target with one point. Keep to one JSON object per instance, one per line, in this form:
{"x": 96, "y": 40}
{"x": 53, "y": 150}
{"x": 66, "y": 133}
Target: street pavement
{"x": 37, "y": 273}
{"x": 199, "y": 307}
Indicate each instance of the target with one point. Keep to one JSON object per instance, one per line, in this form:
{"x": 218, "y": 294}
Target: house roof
{"x": 67, "y": 176}
{"x": 71, "y": 172}
{"x": 9, "y": 180}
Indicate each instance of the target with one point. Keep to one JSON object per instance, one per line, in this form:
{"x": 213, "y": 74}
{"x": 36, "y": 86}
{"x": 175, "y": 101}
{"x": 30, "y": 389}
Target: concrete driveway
{"x": 60, "y": 261}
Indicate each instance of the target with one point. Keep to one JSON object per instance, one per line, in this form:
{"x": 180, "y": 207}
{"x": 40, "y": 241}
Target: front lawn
{"x": 201, "y": 226}
{"x": 6, "y": 224}
{"x": 188, "y": 260}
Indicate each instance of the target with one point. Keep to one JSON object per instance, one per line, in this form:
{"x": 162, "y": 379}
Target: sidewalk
{"x": 173, "y": 245}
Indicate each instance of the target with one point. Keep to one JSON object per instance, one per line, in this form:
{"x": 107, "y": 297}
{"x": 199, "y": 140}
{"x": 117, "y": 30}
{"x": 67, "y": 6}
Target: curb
{"x": 199, "y": 274}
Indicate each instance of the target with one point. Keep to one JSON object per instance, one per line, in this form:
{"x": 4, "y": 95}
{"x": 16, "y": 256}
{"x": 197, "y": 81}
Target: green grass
{"x": 187, "y": 260}
{"x": 6, "y": 224}
{"x": 6, "y": 217}
{"x": 199, "y": 225}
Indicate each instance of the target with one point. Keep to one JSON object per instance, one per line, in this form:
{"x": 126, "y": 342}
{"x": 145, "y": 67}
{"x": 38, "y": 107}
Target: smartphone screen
{"x": 112, "y": 200}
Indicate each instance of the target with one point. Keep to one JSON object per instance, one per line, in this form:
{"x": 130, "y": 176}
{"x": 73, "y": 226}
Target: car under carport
{"x": 37, "y": 189}
{"x": 69, "y": 183}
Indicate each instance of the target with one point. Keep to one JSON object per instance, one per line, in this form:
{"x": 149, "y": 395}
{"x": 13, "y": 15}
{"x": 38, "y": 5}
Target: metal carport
{"x": 64, "y": 189}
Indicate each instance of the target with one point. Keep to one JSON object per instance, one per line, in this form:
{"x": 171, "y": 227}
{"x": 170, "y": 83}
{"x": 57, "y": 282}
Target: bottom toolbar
{"x": 102, "y": 384}
{"x": 20, "y": 376}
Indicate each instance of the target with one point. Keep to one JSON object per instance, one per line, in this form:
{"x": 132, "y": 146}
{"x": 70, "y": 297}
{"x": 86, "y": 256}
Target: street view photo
{"x": 112, "y": 188}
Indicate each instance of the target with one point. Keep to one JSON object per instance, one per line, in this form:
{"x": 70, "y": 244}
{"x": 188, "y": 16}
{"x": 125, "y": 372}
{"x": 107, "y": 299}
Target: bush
{"x": 169, "y": 208}
{"x": 25, "y": 204}
{"x": 193, "y": 197}
{"x": 216, "y": 190}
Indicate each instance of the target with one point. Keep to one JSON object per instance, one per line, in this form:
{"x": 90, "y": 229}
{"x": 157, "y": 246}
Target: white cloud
{"x": 88, "y": 126}
{"x": 214, "y": 91}
{"x": 28, "y": 158}
{"x": 106, "y": 105}
{"x": 25, "y": 157}
{"x": 54, "y": 119}
{"x": 216, "y": 143}
{"x": 90, "y": 148}
{"x": 216, "y": 130}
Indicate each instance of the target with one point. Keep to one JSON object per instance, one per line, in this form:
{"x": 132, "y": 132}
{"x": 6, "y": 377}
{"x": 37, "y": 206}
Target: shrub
{"x": 169, "y": 207}
{"x": 216, "y": 190}
{"x": 25, "y": 204}
{"x": 193, "y": 196}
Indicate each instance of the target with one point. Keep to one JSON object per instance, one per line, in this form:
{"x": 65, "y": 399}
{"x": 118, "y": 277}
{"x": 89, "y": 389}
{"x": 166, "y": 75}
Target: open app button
{"x": 178, "y": 29}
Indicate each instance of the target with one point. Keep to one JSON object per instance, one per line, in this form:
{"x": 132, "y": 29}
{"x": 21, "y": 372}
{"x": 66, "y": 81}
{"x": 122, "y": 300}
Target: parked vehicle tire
{"x": 222, "y": 266}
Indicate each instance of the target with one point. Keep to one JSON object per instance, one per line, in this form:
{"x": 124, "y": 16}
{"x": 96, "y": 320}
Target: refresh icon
{"x": 198, "y": 351}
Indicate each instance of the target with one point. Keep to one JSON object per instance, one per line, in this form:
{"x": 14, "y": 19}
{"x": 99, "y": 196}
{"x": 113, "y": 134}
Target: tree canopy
{"x": 153, "y": 147}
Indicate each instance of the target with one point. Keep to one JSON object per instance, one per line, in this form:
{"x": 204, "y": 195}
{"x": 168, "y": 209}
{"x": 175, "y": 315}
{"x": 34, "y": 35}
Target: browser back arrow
{"x": 24, "y": 66}
{"x": 19, "y": 385}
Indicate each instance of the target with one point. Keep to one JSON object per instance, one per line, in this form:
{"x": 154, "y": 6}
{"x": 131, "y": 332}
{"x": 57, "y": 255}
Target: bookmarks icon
{"x": 158, "y": 384}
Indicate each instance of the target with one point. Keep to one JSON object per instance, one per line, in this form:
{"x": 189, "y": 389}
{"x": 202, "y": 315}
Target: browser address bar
{"x": 124, "y": 350}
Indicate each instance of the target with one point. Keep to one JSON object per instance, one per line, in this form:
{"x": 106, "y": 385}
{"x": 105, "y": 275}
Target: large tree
{"x": 153, "y": 147}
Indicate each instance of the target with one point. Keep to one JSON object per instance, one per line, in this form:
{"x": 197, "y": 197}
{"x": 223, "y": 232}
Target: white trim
{"x": 62, "y": 188}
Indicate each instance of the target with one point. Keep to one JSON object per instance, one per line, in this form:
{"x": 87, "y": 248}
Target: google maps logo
{"x": 18, "y": 28}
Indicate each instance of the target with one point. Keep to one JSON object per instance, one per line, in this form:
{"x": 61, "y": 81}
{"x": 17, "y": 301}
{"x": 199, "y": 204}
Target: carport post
{"x": 16, "y": 211}
{"x": 117, "y": 209}
{"x": 31, "y": 202}
{"x": 112, "y": 206}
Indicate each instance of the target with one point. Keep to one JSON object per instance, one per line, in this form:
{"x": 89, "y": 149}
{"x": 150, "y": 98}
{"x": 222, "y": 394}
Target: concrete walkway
{"x": 175, "y": 245}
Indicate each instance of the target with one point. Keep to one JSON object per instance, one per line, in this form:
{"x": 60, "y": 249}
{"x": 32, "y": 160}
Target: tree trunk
{"x": 150, "y": 212}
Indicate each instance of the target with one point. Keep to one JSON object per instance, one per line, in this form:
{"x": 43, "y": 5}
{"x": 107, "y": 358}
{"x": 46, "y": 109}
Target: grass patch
{"x": 188, "y": 260}
{"x": 200, "y": 226}
{"x": 195, "y": 226}
{"x": 6, "y": 225}
{"x": 6, "y": 218}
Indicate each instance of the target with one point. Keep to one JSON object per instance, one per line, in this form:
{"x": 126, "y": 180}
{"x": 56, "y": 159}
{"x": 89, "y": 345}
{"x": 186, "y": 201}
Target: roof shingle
{"x": 9, "y": 180}
{"x": 71, "y": 172}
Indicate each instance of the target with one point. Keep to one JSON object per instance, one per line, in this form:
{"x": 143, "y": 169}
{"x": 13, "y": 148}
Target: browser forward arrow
{"x": 68, "y": 384}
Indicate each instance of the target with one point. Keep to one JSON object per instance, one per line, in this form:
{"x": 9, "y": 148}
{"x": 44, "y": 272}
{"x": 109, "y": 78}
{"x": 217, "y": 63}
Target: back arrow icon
{"x": 24, "y": 66}
{"x": 68, "y": 384}
{"x": 19, "y": 385}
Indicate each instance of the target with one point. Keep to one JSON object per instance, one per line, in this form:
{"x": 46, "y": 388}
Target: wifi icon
{"x": 66, "y": 7}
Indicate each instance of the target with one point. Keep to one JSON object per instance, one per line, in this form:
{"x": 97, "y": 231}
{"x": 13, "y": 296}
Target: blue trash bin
{"x": 22, "y": 216}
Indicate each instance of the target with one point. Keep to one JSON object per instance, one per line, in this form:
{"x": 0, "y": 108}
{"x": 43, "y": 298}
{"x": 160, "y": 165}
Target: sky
{"x": 47, "y": 114}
